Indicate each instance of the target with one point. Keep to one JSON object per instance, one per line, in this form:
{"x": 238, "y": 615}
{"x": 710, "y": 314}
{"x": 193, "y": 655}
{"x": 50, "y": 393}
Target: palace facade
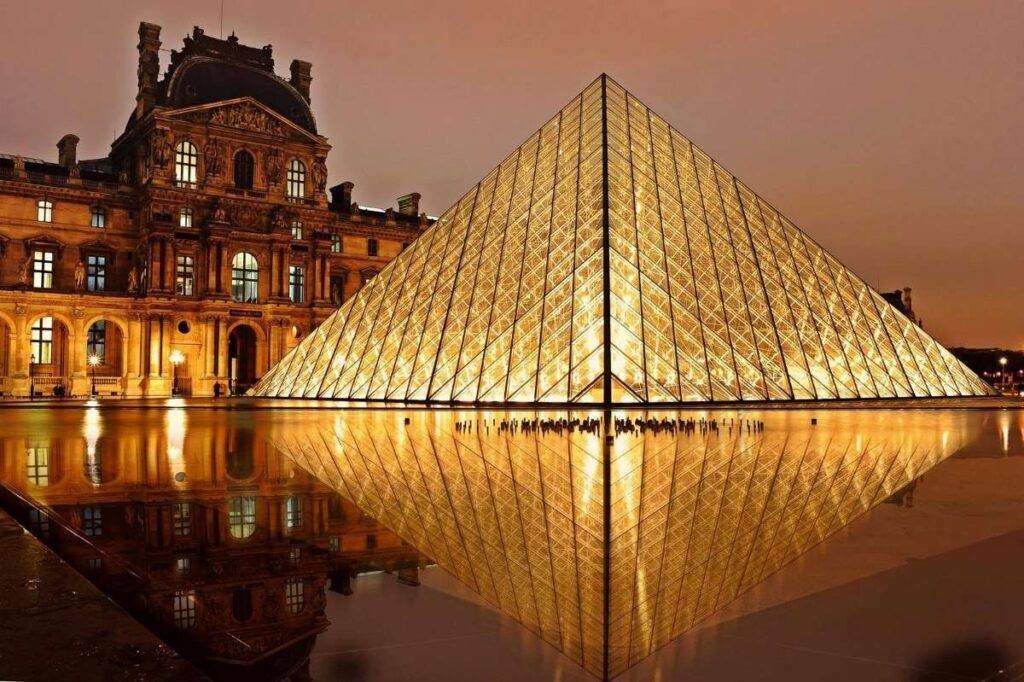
{"x": 199, "y": 251}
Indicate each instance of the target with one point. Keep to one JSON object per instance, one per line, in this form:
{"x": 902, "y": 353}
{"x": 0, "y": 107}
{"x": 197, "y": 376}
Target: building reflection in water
{"x": 608, "y": 573}
{"x": 214, "y": 541}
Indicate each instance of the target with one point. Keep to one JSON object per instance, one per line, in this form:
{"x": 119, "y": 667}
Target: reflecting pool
{"x": 609, "y": 536}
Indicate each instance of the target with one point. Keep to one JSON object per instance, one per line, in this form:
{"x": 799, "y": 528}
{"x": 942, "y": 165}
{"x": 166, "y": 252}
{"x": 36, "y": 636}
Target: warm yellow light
{"x": 1002, "y": 361}
{"x": 176, "y": 357}
{"x": 94, "y": 360}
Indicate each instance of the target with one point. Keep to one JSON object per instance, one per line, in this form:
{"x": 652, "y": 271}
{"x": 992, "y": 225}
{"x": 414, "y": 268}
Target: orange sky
{"x": 890, "y": 131}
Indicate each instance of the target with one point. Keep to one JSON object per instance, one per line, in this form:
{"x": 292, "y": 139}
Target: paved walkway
{"x": 55, "y": 625}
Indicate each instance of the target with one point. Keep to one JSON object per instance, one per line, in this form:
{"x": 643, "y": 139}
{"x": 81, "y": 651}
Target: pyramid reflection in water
{"x": 694, "y": 520}
{"x": 610, "y": 260}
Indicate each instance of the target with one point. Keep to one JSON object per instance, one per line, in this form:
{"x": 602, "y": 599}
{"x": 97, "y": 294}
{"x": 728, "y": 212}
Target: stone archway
{"x": 49, "y": 347}
{"x": 242, "y": 356}
{"x": 8, "y": 349}
{"x": 105, "y": 345}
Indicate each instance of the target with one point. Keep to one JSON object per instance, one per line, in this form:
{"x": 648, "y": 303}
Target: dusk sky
{"x": 891, "y": 132}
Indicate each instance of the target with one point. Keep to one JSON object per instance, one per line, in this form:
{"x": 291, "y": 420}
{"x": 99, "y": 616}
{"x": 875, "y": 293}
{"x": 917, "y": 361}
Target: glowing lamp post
{"x": 1002, "y": 372}
{"x": 176, "y": 357}
{"x": 94, "y": 360}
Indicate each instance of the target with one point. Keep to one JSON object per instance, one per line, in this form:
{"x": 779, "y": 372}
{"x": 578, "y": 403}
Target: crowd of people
{"x": 693, "y": 425}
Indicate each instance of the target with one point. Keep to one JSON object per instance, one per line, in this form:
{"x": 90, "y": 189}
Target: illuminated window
{"x": 295, "y": 188}
{"x": 184, "y": 275}
{"x": 372, "y": 248}
{"x": 183, "y": 564}
{"x": 37, "y": 465}
{"x": 293, "y": 595}
{"x": 242, "y": 517}
{"x": 185, "y": 217}
{"x": 96, "y": 340}
{"x": 243, "y": 170}
{"x": 92, "y": 521}
{"x": 335, "y": 243}
{"x": 183, "y": 609}
{"x": 42, "y": 269}
{"x": 44, "y": 211}
{"x": 296, "y": 229}
{"x": 96, "y": 273}
{"x": 99, "y": 217}
{"x": 245, "y": 278}
{"x": 186, "y": 164}
{"x": 182, "y": 519}
{"x": 293, "y": 512}
{"x": 42, "y": 340}
{"x": 296, "y": 282}
{"x": 335, "y": 544}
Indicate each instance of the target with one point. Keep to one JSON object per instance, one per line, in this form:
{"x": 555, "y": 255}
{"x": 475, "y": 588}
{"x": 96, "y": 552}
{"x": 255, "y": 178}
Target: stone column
{"x": 222, "y": 348}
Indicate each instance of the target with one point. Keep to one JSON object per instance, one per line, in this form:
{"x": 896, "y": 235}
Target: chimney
{"x": 67, "y": 151}
{"x": 341, "y": 197}
{"x": 149, "y": 68}
{"x": 300, "y": 77}
{"x": 908, "y": 303}
{"x": 409, "y": 204}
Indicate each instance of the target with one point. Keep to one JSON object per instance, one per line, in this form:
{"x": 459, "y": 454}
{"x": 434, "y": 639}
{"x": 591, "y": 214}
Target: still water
{"x": 239, "y": 535}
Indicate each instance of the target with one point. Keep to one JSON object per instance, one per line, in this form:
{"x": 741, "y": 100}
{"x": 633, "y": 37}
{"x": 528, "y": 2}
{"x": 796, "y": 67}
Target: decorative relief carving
{"x": 161, "y": 147}
{"x": 319, "y": 173}
{"x": 213, "y": 156}
{"x": 243, "y": 116}
{"x": 273, "y": 166}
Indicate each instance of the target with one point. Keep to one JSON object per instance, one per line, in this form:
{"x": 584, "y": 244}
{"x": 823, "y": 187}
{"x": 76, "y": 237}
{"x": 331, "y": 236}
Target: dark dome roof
{"x": 202, "y": 80}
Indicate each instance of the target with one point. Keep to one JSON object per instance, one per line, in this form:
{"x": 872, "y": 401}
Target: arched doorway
{"x": 49, "y": 372}
{"x": 104, "y": 354}
{"x": 6, "y": 354}
{"x": 241, "y": 359}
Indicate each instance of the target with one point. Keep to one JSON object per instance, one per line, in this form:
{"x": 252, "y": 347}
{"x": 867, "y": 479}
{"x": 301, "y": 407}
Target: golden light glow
{"x": 609, "y": 226}
{"x": 695, "y": 519}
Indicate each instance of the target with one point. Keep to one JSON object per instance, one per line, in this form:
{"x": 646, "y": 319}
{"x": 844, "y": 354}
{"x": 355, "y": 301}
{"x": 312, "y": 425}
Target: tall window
{"x": 42, "y": 340}
{"x": 295, "y": 188}
{"x": 92, "y": 521}
{"x": 241, "y": 517}
{"x": 296, "y": 282}
{"x": 372, "y": 247}
{"x": 99, "y": 217}
{"x": 182, "y": 519}
{"x": 37, "y": 465}
{"x": 243, "y": 170}
{"x": 185, "y": 217}
{"x": 44, "y": 211}
{"x": 183, "y": 608}
{"x": 42, "y": 269}
{"x": 96, "y": 340}
{"x": 293, "y": 512}
{"x": 245, "y": 278}
{"x": 184, "y": 275}
{"x": 335, "y": 243}
{"x": 96, "y": 273}
{"x": 186, "y": 164}
{"x": 293, "y": 595}
{"x": 296, "y": 229}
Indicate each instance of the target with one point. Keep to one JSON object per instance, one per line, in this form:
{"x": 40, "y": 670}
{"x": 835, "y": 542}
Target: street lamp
{"x": 1002, "y": 371}
{"x": 94, "y": 360}
{"x": 31, "y": 376}
{"x": 176, "y": 357}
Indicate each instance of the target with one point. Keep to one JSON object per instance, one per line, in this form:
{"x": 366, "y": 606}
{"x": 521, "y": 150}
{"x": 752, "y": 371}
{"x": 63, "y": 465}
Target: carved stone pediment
{"x": 245, "y": 114}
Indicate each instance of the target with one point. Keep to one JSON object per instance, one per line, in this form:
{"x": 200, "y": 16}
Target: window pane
{"x": 186, "y": 161}
{"x": 296, "y": 283}
{"x": 245, "y": 276}
{"x": 184, "y": 274}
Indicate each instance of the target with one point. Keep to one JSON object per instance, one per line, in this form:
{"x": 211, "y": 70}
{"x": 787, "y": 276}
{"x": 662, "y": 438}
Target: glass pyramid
{"x": 609, "y": 548}
{"x": 609, "y": 260}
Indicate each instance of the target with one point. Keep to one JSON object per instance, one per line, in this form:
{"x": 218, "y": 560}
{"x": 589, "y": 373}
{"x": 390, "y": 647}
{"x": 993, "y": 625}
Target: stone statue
{"x": 161, "y": 148}
{"x": 133, "y": 280}
{"x": 319, "y": 173}
{"x": 213, "y": 155}
{"x": 278, "y": 222}
{"x": 23, "y": 272}
{"x": 336, "y": 290}
{"x": 79, "y": 275}
{"x": 220, "y": 214}
{"x": 273, "y": 165}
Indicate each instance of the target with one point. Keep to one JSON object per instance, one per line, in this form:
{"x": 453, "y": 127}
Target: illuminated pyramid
{"x": 610, "y": 550}
{"x": 609, "y": 260}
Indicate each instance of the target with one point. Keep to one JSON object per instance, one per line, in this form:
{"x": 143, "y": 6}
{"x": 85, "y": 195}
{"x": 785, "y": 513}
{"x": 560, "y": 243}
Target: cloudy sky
{"x": 892, "y": 131}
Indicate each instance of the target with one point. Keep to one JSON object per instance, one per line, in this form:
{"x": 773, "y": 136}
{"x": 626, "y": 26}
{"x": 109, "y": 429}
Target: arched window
{"x": 186, "y": 164}
{"x": 295, "y": 188}
{"x": 42, "y": 341}
{"x": 245, "y": 278}
{"x": 96, "y": 341}
{"x": 243, "y": 170}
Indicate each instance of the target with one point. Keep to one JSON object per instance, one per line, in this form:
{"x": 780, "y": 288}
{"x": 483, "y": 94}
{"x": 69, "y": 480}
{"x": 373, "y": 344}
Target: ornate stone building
{"x": 199, "y": 251}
